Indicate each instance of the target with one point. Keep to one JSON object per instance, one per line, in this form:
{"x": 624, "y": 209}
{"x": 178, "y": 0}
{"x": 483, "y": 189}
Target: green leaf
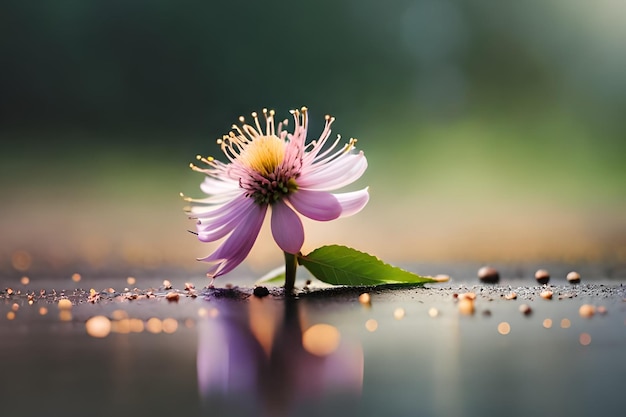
{"x": 340, "y": 265}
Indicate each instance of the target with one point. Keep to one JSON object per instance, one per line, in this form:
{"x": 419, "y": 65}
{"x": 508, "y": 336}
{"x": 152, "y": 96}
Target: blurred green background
{"x": 495, "y": 131}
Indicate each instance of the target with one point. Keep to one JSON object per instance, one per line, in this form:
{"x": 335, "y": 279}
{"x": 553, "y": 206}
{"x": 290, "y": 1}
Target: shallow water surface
{"x": 409, "y": 351}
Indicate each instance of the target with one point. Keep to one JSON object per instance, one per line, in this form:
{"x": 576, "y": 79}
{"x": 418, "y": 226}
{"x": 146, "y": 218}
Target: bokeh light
{"x": 321, "y": 339}
{"x": 584, "y": 339}
{"x": 504, "y": 328}
{"x": 98, "y": 326}
{"x": 371, "y": 325}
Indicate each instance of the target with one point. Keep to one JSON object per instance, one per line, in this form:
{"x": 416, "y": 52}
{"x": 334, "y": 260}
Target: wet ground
{"x": 157, "y": 348}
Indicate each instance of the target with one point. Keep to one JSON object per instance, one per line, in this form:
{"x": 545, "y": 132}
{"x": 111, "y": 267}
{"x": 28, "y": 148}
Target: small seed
{"x": 511, "y": 296}
{"x": 525, "y": 309}
{"x": 547, "y": 294}
{"x": 573, "y": 277}
{"x": 586, "y": 310}
{"x": 542, "y": 276}
{"x": 488, "y": 275}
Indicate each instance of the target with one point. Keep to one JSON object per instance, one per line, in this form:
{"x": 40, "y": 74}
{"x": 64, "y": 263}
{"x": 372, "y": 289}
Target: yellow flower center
{"x": 264, "y": 154}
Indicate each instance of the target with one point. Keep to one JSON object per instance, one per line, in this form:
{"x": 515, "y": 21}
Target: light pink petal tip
{"x": 237, "y": 246}
{"x": 352, "y": 203}
{"x": 316, "y": 205}
{"x": 287, "y": 228}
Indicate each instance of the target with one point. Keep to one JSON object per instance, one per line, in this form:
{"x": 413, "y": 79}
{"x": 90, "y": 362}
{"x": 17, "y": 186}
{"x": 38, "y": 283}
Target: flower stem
{"x": 291, "y": 264}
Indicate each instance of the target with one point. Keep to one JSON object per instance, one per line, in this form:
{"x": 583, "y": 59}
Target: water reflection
{"x": 261, "y": 357}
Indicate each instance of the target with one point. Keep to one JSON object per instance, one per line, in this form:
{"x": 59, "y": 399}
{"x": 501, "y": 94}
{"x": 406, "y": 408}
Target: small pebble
{"x": 573, "y": 277}
{"x": 511, "y": 296}
{"x": 365, "y": 299}
{"x": 399, "y": 313}
{"x": 467, "y": 295}
{"x": 488, "y": 275}
{"x": 586, "y": 310}
{"x": 433, "y": 312}
{"x": 261, "y": 292}
{"x": 167, "y": 284}
{"x": 547, "y": 294}
{"x": 542, "y": 276}
{"x": 525, "y": 309}
{"x": 172, "y": 296}
{"x": 64, "y": 304}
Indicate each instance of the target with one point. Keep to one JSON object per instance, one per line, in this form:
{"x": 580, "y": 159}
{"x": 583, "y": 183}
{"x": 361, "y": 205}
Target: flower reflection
{"x": 262, "y": 358}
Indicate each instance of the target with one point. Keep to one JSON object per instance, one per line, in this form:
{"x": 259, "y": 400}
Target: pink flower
{"x": 278, "y": 170}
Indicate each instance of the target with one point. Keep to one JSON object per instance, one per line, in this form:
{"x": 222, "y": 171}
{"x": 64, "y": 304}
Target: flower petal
{"x": 214, "y": 186}
{"x": 287, "y": 228}
{"x": 211, "y": 211}
{"x": 316, "y": 205}
{"x": 237, "y": 246}
{"x": 352, "y": 203}
{"x": 213, "y": 229}
{"x": 333, "y": 174}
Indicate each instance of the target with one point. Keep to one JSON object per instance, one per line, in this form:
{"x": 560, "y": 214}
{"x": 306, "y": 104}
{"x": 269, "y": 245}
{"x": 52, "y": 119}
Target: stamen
{"x": 251, "y": 132}
{"x": 304, "y": 117}
{"x": 256, "y": 120}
